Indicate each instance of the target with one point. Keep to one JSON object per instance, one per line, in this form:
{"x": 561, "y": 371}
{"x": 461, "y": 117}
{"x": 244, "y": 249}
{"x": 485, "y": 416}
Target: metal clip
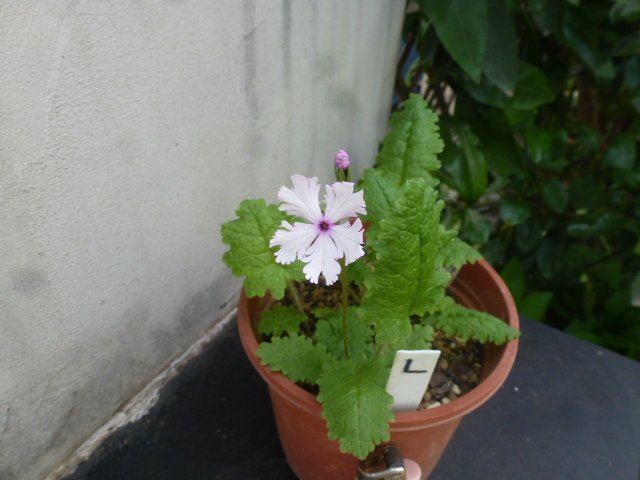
{"x": 384, "y": 463}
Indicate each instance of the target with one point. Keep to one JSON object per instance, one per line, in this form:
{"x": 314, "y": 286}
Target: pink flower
{"x": 342, "y": 160}
{"x": 323, "y": 241}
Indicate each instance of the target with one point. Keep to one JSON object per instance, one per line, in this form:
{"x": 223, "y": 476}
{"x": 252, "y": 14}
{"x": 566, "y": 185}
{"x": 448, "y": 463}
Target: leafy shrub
{"x": 539, "y": 103}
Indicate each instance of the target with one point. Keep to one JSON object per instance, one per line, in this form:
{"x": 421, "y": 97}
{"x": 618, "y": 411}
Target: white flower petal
{"x": 302, "y": 200}
{"x": 348, "y": 239}
{"x": 322, "y": 259}
{"x": 342, "y": 202}
{"x": 294, "y": 241}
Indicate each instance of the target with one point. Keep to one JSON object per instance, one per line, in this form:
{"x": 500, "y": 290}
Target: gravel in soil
{"x": 458, "y": 368}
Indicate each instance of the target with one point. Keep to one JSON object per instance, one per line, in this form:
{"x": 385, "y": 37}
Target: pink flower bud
{"x": 342, "y": 160}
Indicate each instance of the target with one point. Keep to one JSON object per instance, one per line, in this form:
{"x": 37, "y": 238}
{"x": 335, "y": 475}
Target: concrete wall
{"x": 130, "y": 132}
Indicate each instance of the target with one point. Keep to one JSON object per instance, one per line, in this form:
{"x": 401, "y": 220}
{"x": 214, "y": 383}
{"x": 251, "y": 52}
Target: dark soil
{"x": 459, "y": 366}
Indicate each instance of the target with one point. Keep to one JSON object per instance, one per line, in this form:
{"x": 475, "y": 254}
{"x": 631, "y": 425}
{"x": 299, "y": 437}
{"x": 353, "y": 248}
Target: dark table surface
{"x": 569, "y": 410}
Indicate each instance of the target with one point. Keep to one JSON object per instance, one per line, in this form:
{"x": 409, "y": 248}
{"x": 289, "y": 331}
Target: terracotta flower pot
{"x": 422, "y": 435}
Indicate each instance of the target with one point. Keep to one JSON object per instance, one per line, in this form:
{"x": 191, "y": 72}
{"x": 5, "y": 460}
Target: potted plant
{"x": 326, "y": 352}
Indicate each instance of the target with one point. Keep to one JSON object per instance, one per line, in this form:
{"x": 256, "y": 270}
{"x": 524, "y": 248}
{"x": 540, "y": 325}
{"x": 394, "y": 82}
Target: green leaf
{"x": 500, "y": 62}
{"x": 627, "y": 46}
{"x": 280, "y": 319}
{"x": 513, "y": 276}
{"x": 406, "y": 281}
{"x": 580, "y": 34}
{"x": 547, "y": 147}
{"x": 586, "y": 193}
{"x": 359, "y": 270}
{"x": 550, "y": 257}
{"x": 296, "y": 357}
{"x": 622, "y": 152}
{"x": 360, "y": 334}
{"x": 409, "y": 151}
{"x": 420, "y": 338}
{"x": 514, "y": 211}
{"x": 464, "y": 160}
{"x": 535, "y": 305}
{"x": 599, "y": 223}
{"x": 497, "y": 139}
{"x": 462, "y": 26}
{"x": 632, "y": 73}
{"x": 610, "y": 273}
{"x": 530, "y": 233}
{"x": 635, "y": 291}
{"x": 250, "y": 254}
{"x": 467, "y": 323}
{"x": 585, "y": 142}
{"x": 456, "y": 253}
{"x": 531, "y": 90}
{"x": 356, "y": 405}
{"x": 555, "y": 195}
{"x": 380, "y": 193}
{"x": 625, "y": 10}
{"x": 548, "y": 15}
{"x": 581, "y": 329}
{"x": 475, "y": 228}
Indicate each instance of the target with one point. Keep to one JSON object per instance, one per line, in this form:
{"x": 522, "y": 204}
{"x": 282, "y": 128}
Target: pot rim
{"x": 403, "y": 420}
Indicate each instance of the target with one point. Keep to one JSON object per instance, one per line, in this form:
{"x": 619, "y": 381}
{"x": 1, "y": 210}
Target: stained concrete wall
{"x": 130, "y": 132}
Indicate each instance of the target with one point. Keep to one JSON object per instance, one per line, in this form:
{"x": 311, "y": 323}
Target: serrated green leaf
{"x": 280, "y": 319}
{"x": 250, "y": 255}
{"x": 420, "y": 338}
{"x": 360, "y": 334}
{"x": 406, "y": 280}
{"x": 358, "y": 270}
{"x": 462, "y": 27}
{"x": 380, "y": 193}
{"x": 409, "y": 151}
{"x": 296, "y": 357}
{"x": 456, "y": 253}
{"x": 467, "y": 323}
{"x": 356, "y": 405}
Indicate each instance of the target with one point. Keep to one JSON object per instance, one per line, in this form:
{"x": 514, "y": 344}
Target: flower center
{"x": 324, "y": 226}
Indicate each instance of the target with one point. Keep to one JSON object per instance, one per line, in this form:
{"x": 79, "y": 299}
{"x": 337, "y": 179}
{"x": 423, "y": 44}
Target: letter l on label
{"x": 410, "y": 375}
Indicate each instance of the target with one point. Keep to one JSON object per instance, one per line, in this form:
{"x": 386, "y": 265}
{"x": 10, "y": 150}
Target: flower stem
{"x": 296, "y": 297}
{"x": 345, "y": 306}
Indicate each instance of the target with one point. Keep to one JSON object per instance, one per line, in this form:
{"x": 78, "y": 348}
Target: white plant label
{"x": 410, "y": 375}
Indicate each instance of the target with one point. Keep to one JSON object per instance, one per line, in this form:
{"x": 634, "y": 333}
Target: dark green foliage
{"x": 540, "y": 107}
